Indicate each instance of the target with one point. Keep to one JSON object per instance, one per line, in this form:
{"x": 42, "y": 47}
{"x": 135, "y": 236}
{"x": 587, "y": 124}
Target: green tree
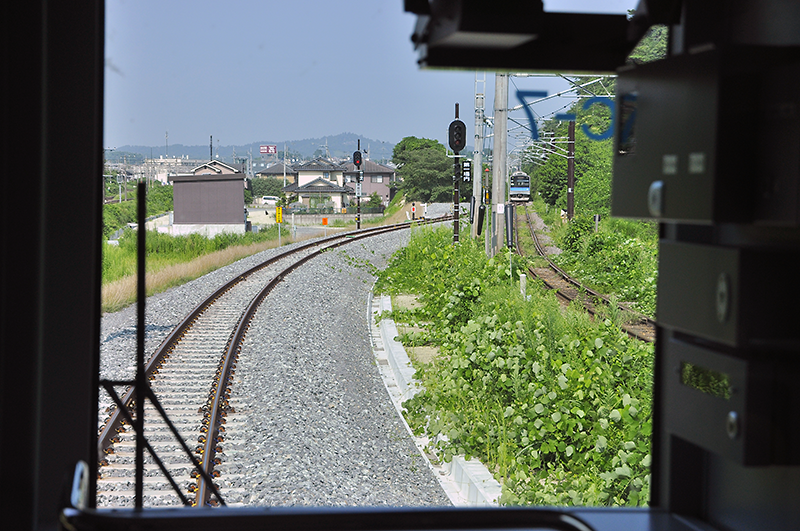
{"x": 652, "y": 47}
{"x": 592, "y": 162}
{"x": 374, "y": 200}
{"x": 424, "y": 168}
{"x": 266, "y": 186}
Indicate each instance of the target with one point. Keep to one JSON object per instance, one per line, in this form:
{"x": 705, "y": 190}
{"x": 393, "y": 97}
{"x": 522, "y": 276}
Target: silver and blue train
{"x": 520, "y": 189}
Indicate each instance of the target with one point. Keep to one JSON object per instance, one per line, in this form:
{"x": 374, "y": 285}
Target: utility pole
{"x": 499, "y": 172}
{"x": 477, "y": 153}
{"x": 571, "y": 171}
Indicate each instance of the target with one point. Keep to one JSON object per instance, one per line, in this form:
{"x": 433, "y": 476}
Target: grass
{"x": 165, "y": 273}
{"x": 557, "y": 405}
{"x": 167, "y": 269}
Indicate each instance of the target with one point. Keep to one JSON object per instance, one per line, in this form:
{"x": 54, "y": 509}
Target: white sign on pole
{"x": 358, "y": 189}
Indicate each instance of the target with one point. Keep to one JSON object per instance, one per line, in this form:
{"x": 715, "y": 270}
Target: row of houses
{"x": 209, "y": 199}
{"x": 322, "y": 178}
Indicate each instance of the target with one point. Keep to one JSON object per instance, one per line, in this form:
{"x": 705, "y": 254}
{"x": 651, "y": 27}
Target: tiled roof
{"x": 277, "y": 169}
{"x": 367, "y": 167}
{"x": 320, "y": 164}
{"x": 318, "y": 186}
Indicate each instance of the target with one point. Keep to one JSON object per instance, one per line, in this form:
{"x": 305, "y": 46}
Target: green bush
{"x": 577, "y": 229}
{"x": 117, "y": 215}
{"x": 556, "y": 405}
{"x": 621, "y": 259}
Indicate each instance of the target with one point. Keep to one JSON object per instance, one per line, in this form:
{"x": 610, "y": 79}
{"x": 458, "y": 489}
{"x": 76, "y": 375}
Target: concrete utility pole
{"x": 499, "y": 161}
{"x": 571, "y": 171}
{"x": 477, "y": 153}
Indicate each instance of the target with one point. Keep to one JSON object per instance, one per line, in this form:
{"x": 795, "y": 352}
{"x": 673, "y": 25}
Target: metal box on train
{"x": 730, "y": 295}
{"x": 730, "y": 406}
{"x": 710, "y": 137}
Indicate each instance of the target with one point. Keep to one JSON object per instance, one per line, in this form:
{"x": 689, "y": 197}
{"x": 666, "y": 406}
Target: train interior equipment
{"x": 707, "y": 145}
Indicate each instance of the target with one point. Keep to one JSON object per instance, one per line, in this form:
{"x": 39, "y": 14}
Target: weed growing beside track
{"x": 620, "y": 259}
{"x": 174, "y": 260}
{"x": 556, "y": 405}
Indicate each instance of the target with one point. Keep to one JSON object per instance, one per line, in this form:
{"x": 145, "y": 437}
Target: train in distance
{"x": 520, "y": 189}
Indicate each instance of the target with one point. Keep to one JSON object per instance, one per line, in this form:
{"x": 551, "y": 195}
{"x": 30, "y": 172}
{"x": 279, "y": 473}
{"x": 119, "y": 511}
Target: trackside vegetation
{"x": 117, "y": 215}
{"x": 556, "y": 405}
{"x": 174, "y": 260}
{"x": 620, "y": 259}
{"x": 163, "y": 249}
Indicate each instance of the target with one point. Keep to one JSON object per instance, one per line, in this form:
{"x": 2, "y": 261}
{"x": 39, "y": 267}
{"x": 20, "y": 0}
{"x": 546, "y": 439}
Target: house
{"x": 321, "y": 182}
{"x": 277, "y": 171}
{"x": 321, "y": 192}
{"x": 208, "y": 200}
{"x": 377, "y": 178}
{"x": 320, "y": 168}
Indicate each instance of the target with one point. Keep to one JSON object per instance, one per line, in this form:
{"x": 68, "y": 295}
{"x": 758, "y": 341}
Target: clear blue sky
{"x": 267, "y": 70}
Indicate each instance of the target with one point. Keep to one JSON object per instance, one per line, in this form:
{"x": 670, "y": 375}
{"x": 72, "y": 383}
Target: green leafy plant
{"x": 556, "y": 405}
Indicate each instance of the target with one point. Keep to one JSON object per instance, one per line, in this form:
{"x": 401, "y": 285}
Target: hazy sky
{"x": 268, "y": 70}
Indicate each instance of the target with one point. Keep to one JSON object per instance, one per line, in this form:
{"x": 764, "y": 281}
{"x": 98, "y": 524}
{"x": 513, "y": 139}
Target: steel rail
{"x": 117, "y": 417}
{"x": 219, "y": 403}
{"x": 641, "y": 318}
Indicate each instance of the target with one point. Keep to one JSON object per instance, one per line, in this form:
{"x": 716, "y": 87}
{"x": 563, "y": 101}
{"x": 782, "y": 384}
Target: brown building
{"x": 208, "y": 200}
{"x": 377, "y": 178}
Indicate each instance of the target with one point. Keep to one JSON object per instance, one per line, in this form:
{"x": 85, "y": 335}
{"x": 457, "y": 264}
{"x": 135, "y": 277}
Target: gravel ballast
{"x": 313, "y": 424}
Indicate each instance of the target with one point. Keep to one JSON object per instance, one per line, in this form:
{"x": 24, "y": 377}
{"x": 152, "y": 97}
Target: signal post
{"x": 457, "y": 138}
{"x": 359, "y": 178}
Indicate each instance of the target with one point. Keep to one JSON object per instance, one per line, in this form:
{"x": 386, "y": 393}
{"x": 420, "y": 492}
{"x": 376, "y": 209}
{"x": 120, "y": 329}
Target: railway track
{"x": 568, "y": 289}
{"x": 188, "y": 416}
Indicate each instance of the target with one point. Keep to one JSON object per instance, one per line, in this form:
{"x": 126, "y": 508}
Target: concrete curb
{"x": 466, "y": 483}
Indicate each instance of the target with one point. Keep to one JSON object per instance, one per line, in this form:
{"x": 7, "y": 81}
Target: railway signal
{"x": 357, "y": 159}
{"x": 457, "y": 136}
{"x": 458, "y": 141}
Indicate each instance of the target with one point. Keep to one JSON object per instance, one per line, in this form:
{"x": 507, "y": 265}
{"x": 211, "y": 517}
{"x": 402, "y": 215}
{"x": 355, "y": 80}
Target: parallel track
{"x": 568, "y": 289}
{"x": 189, "y": 374}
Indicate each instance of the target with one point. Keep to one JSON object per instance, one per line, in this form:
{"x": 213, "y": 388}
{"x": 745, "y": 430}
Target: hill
{"x": 341, "y": 145}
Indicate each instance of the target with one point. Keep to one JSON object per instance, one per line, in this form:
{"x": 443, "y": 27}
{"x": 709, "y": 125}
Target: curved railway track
{"x": 568, "y": 289}
{"x": 187, "y": 414}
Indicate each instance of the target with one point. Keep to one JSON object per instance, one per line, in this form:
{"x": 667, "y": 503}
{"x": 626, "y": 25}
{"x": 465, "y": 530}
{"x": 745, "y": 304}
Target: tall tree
{"x": 424, "y": 168}
{"x": 592, "y": 162}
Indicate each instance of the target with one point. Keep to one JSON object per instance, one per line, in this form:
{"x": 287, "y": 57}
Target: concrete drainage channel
{"x": 466, "y": 483}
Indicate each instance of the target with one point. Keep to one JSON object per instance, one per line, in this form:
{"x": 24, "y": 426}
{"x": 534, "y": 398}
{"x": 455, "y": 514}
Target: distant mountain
{"x": 342, "y": 145}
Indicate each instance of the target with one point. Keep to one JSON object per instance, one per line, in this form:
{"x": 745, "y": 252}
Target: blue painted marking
{"x": 601, "y": 100}
{"x": 521, "y": 94}
{"x": 608, "y": 102}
